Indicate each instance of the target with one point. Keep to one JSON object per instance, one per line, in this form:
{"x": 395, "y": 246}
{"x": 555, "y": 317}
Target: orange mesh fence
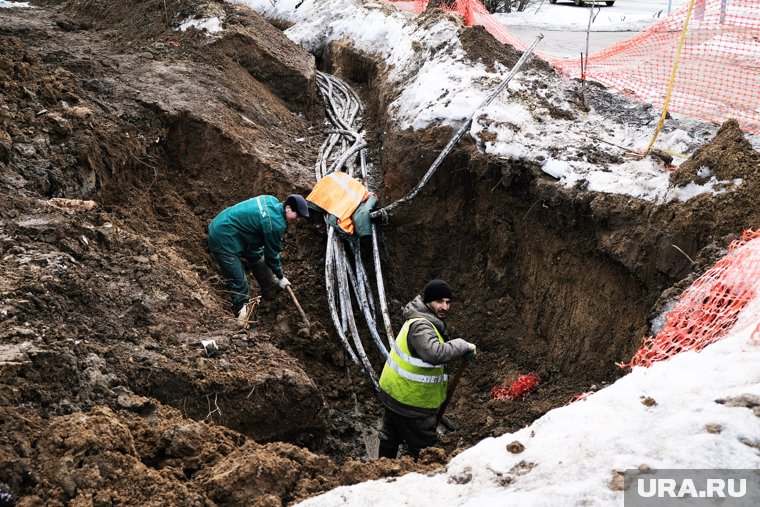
{"x": 710, "y": 308}
{"x": 415, "y": 7}
{"x": 718, "y": 72}
{"x": 580, "y": 397}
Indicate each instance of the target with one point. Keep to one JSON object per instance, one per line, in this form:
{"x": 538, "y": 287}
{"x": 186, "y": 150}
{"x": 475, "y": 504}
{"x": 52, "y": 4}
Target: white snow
{"x": 8, "y": 5}
{"x": 439, "y": 85}
{"x": 624, "y": 16}
{"x": 572, "y": 453}
{"x": 211, "y": 25}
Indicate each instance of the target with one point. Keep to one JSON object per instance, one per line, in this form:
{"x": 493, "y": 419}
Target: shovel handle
{"x": 295, "y": 302}
{"x": 452, "y": 386}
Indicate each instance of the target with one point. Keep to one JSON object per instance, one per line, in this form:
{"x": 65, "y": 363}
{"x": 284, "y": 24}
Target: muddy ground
{"x": 106, "y": 393}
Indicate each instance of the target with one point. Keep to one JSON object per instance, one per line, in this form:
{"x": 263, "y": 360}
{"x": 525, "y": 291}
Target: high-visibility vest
{"x": 339, "y": 194}
{"x": 411, "y": 380}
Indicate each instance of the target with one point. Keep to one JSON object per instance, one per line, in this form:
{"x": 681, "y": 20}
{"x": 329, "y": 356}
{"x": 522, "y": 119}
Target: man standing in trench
{"x": 413, "y": 384}
{"x": 253, "y": 230}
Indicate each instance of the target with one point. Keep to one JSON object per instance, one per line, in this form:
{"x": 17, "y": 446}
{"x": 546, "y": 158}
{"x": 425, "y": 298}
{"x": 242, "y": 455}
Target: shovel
{"x": 300, "y": 310}
{"x": 450, "y": 393}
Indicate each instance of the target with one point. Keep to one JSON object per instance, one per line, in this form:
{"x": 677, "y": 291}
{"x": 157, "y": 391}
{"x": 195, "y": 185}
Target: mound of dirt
{"x": 481, "y": 47}
{"x": 727, "y": 158}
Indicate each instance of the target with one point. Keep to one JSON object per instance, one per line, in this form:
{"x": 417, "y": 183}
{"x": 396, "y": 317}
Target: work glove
{"x": 470, "y": 355}
{"x": 283, "y": 282}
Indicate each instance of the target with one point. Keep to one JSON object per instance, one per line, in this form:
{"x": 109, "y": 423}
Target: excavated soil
{"x": 107, "y": 395}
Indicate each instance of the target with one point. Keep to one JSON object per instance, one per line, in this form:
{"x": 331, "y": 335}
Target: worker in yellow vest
{"x": 413, "y": 383}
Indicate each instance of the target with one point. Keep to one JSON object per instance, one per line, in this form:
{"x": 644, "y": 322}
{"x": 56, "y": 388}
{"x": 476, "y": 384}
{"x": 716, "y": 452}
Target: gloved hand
{"x": 283, "y": 282}
{"x": 470, "y": 356}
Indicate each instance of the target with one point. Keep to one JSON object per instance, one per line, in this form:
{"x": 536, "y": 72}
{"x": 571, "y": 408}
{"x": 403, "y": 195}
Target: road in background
{"x": 564, "y": 25}
{"x": 570, "y": 44}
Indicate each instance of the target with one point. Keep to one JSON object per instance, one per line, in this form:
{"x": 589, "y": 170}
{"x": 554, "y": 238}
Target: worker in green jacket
{"x": 413, "y": 383}
{"x": 252, "y": 231}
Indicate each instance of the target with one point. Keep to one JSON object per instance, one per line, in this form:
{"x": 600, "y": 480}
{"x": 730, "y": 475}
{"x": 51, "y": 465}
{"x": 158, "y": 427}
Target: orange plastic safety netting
{"x": 474, "y": 13}
{"x": 515, "y": 388}
{"x": 712, "y": 307}
{"x": 717, "y": 75}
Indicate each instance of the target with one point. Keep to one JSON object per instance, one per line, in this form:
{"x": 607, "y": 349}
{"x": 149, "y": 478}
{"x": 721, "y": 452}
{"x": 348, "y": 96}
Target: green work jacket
{"x": 249, "y": 227}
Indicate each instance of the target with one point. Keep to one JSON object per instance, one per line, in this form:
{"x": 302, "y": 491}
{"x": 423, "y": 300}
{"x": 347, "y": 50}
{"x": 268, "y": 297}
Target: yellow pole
{"x": 672, "y": 80}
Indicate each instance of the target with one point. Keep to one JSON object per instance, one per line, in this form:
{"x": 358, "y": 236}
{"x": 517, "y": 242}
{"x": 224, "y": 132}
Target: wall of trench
{"x": 561, "y": 282}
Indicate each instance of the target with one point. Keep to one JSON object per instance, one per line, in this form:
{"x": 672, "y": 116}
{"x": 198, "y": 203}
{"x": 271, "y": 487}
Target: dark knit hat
{"x": 298, "y": 204}
{"x": 435, "y": 290}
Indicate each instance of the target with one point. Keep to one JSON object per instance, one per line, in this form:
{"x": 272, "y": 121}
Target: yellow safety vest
{"x": 411, "y": 380}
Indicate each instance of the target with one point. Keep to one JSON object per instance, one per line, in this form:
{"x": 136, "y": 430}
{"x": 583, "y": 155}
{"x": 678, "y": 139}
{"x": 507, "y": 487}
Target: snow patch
{"x": 8, "y": 5}
{"x": 210, "y": 25}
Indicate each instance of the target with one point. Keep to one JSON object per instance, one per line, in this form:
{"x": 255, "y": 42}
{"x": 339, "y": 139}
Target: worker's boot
{"x": 265, "y": 277}
{"x": 387, "y": 450}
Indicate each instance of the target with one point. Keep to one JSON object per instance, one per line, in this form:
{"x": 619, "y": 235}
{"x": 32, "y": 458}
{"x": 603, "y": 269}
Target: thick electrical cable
{"x": 345, "y": 277}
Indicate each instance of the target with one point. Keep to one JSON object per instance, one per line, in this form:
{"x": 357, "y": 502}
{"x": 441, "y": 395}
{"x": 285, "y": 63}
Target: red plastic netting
{"x": 718, "y": 75}
{"x": 516, "y": 388}
{"x": 580, "y": 397}
{"x": 710, "y": 308}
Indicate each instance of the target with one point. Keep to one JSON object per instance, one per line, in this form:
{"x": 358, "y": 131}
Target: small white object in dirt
{"x": 3, "y": 3}
{"x": 210, "y": 347}
{"x": 72, "y": 204}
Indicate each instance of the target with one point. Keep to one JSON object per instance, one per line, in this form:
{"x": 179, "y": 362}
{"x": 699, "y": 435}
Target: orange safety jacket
{"x": 339, "y": 194}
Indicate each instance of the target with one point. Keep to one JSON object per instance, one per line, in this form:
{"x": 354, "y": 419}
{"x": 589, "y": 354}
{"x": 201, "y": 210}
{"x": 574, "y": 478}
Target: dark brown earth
{"x": 106, "y": 394}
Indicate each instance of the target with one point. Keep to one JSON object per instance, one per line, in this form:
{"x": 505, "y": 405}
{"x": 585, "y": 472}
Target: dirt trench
{"x": 106, "y": 394}
{"x": 558, "y": 282}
